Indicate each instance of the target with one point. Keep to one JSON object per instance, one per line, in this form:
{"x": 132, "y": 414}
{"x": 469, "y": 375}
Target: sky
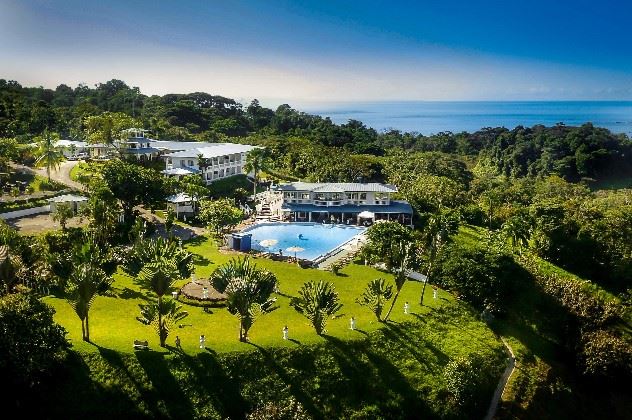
{"x": 326, "y": 51}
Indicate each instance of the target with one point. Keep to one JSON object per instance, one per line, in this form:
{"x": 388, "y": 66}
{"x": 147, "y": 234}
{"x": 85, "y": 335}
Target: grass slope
{"x": 396, "y": 372}
{"x": 392, "y": 371}
{"x": 114, "y": 325}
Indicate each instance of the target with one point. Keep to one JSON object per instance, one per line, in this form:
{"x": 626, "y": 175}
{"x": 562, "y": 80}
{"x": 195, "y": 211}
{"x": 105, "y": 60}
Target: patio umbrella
{"x": 295, "y": 249}
{"x": 267, "y": 243}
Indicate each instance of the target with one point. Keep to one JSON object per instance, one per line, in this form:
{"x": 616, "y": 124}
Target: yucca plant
{"x": 317, "y": 302}
{"x": 377, "y": 293}
{"x": 248, "y": 291}
{"x": 163, "y": 315}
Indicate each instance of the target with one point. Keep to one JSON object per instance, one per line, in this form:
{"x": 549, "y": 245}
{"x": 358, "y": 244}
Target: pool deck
{"x": 344, "y": 253}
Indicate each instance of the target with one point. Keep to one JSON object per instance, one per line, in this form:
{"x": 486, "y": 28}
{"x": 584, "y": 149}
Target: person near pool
{"x": 300, "y": 236}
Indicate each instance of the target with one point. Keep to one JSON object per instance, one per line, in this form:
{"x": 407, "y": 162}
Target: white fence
{"x": 27, "y": 212}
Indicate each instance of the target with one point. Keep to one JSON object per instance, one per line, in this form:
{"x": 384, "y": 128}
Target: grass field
{"x": 392, "y": 370}
{"x": 113, "y": 323}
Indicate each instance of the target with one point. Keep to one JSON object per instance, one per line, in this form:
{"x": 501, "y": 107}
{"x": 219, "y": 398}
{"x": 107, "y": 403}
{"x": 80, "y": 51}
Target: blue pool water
{"x": 317, "y": 239}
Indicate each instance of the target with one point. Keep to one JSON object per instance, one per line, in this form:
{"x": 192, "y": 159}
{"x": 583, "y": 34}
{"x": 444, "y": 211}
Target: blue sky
{"x": 315, "y": 51}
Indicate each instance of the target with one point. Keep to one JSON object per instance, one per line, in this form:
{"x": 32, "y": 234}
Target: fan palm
{"x": 163, "y": 315}
{"x": 84, "y": 285}
{"x": 317, "y": 301}
{"x": 47, "y": 154}
{"x": 375, "y": 296}
{"x": 248, "y": 291}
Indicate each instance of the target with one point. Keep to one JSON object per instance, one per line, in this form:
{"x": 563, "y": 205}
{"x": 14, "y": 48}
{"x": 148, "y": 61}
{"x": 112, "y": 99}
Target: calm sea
{"x": 434, "y": 117}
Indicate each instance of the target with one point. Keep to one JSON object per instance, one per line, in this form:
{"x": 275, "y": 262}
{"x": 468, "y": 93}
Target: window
{"x": 305, "y": 196}
{"x": 182, "y": 162}
{"x": 190, "y": 163}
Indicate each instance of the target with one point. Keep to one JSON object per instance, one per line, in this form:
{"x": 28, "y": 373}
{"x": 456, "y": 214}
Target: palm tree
{"x": 163, "y": 315}
{"x": 149, "y": 250}
{"x": 256, "y": 161}
{"x": 84, "y": 284}
{"x": 47, "y": 154}
{"x": 375, "y": 296}
{"x": 317, "y": 301}
{"x": 437, "y": 232}
{"x": 248, "y": 291}
{"x": 395, "y": 246}
{"x": 158, "y": 276}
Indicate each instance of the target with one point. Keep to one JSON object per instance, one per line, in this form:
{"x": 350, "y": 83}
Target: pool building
{"x": 346, "y": 203}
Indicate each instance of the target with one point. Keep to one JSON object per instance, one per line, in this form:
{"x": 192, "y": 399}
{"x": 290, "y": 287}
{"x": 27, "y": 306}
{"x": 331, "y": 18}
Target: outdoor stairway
{"x": 265, "y": 210}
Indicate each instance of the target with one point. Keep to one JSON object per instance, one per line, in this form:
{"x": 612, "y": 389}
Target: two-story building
{"x": 343, "y": 203}
{"x": 212, "y": 161}
{"x": 138, "y": 145}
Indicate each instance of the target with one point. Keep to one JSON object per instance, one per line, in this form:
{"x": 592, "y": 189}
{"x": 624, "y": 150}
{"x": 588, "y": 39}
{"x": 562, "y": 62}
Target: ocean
{"x": 433, "y": 117}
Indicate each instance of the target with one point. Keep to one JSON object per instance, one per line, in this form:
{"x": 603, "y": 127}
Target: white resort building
{"x": 218, "y": 160}
{"x": 347, "y": 203}
{"x": 212, "y": 161}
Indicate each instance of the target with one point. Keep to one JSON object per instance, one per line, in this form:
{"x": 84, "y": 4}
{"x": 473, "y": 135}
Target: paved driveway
{"x": 62, "y": 175}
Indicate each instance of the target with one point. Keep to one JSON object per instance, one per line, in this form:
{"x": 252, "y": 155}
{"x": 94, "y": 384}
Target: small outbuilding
{"x": 182, "y": 204}
{"x": 76, "y": 202}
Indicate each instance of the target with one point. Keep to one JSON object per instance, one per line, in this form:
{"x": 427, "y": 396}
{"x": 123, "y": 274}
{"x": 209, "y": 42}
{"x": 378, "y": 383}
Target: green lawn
{"x": 392, "y": 370}
{"x": 113, "y": 323}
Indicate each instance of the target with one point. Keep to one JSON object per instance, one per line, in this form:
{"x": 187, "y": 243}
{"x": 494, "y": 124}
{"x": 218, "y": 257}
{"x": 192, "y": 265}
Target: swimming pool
{"x": 316, "y": 239}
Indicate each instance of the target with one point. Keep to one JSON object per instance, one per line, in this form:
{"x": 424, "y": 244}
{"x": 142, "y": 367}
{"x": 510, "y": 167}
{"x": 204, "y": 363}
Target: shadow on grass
{"x": 367, "y": 373}
{"x": 414, "y": 344}
{"x": 201, "y": 260}
{"x": 73, "y": 393}
{"x": 295, "y": 386}
{"x": 211, "y": 379}
{"x": 128, "y": 293}
{"x": 167, "y": 389}
{"x": 196, "y": 240}
{"x": 122, "y": 371}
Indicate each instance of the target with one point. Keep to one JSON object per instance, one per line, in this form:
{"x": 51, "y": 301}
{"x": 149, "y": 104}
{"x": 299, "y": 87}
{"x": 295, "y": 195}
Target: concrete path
{"x": 502, "y": 384}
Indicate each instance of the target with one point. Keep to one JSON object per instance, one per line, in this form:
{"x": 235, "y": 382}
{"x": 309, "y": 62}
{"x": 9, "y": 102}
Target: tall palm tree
{"x": 256, "y": 161}
{"x": 375, "y": 296}
{"x": 248, "y": 291}
{"x": 317, "y": 301}
{"x": 158, "y": 276}
{"x": 394, "y": 245}
{"x": 163, "y": 316}
{"x": 47, "y": 154}
{"x": 441, "y": 226}
{"x": 84, "y": 285}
